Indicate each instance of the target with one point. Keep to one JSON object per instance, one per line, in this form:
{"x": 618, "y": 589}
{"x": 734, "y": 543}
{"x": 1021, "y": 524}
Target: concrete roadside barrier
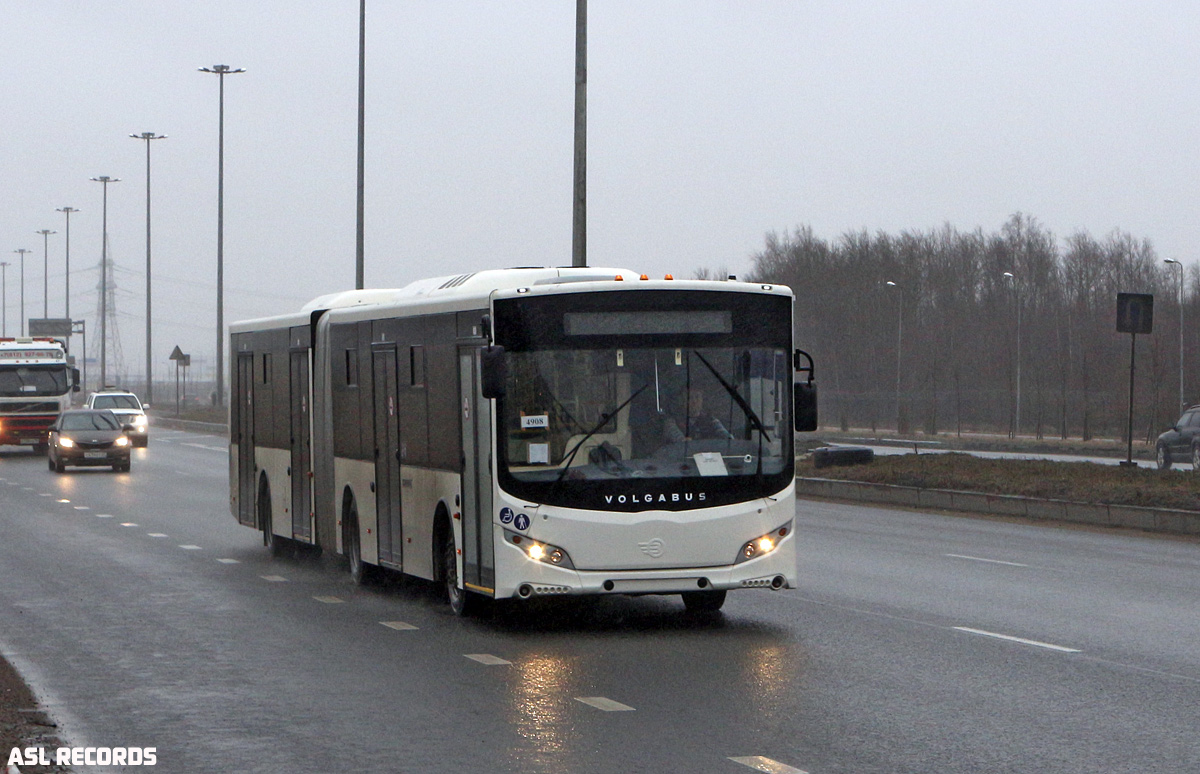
{"x": 1175, "y": 522}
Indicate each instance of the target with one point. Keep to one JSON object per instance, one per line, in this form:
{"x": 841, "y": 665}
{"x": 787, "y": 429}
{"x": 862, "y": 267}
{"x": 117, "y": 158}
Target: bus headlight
{"x": 539, "y": 551}
{"x": 762, "y": 545}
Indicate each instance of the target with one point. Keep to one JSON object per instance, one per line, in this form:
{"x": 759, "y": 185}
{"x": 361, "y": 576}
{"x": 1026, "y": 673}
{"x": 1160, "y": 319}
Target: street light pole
{"x": 4, "y": 298}
{"x": 67, "y": 211}
{"x": 148, "y": 136}
{"x": 899, "y": 347}
{"x": 359, "y": 269}
{"x": 104, "y": 180}
{"x": 1179, "y": 265}
{"x": 1017, "y": 297}
{"x": 579, "y": 205}
{"x": 22, "y": 251}
{"x": 221, "y": 71}
{"x": 46, "y": 270}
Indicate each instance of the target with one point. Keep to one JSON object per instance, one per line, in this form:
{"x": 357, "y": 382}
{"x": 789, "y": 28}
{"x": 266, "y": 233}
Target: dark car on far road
{"x": 1182, "y": 442}
{"x": 89, "y": 437}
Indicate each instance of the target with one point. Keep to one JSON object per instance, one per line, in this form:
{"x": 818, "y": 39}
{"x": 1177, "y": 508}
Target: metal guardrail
{"x": 192, "y": 426}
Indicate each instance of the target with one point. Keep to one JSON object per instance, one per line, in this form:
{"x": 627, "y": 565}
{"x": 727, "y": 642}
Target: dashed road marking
{"x": 203, "y": 446}
{"x": 104, "y": 515}
{"x": 274, "y": 578}
{"x": 759, "y": 763}
{"x": 229, "y": 561}
{"x": 128, "y": 524}
{"x": 1021, "y": 640}
{"x": 190, "y": 548}
{"x": 986, "y": 561}
{"x": 82, "y": 508}
{"x": 487, "y": 658}
{"x": 399, "y": 626}
{"x": 63, "y": 500}
{"x": 156, "y": 534}
{"x": 44, "y": 494}
{"x": 330, "y": 600}
{"x": 602, "y": 703}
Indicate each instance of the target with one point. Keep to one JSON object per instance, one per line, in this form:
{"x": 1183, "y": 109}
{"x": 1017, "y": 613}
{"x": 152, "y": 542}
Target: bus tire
{"x": 361, "y": 573}
{"x": 279, "y": 546}
{"x": 463, "y": 603}
{"x": 703, "y": 601}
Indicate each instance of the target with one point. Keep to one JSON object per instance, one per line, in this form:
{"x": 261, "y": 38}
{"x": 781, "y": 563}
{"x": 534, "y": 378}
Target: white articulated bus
{"x": 527, "y": 432}
{"x": 36, "y": 382}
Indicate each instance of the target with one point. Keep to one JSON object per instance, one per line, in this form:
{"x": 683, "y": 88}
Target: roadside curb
{"x": 1174, "y": 522}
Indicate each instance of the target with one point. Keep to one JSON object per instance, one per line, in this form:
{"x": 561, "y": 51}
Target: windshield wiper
{"x": 603, "y": 421}
{"x": 755, "y": 422}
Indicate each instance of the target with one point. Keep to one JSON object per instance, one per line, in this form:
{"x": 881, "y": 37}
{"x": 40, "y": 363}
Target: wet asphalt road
{"x": 145, "y": 616}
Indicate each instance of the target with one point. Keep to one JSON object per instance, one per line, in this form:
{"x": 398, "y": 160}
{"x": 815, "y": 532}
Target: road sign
{"x": 177, "y": 354}
{"x": 1135, "y": 313}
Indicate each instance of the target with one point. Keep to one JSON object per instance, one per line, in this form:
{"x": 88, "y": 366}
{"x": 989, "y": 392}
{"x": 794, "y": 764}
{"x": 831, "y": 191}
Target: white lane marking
{"x": 104, "y": 515}
{"x": 229, "y": 561}
{"x": 399, "y": 626}
{"x": 487, "y": 659}
{"x": 63, "y": 501}
{"x": 44, "y": 494}
{"x": 759, "y": 763}
{"x": 209, "y": 448}
{"x": 1021, "y": 640}
{"x": 128, "y": 524}
{"x": 274, "y": 578}
{"x": 81, "y": 508}
{"x": 156, "y": 534}
{"x": 330, "y": 600}
{"x": 601, "y": 703}
{"x": 988, "y": 561}
{"x": 190, "y": 548}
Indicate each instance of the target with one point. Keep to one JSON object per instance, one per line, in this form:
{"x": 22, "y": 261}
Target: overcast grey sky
{"x": 710, "y": 124}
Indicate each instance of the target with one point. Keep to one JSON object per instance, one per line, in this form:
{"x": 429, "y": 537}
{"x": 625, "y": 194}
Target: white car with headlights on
{"x": 128, "y": 410}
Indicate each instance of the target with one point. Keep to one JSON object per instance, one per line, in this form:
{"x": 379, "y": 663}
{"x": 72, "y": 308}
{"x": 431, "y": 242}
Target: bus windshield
{"x": 33, "y": 381}
{"x": 597, "y": 426}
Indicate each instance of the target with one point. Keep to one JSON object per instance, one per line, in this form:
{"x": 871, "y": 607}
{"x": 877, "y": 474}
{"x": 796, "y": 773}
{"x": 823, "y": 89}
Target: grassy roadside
{"x": 1077, "y": 481}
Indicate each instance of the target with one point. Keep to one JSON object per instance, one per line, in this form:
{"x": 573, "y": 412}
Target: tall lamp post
{"x": 104, "y": 180}
{"x": 4, "y": 298}
{"x": 22, "y": 252}
{"x": 67, "y": 211}
{"x": 1017, "y": 297}
{"x": 148, "y": 136}
{"x": 899, "y": 346}
{"x": 359, "y": 272}
{"x": 221, "y": 71}
{"x": 1179, "y": 265}
{"x": 46, "y": 270}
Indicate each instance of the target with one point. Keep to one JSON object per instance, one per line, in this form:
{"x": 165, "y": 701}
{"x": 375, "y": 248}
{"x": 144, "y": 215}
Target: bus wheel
{"x": 462, "y": 602}
{"x": 276, "y": 544}
{"x": 703, "y": 601}
{"x": 360, "y": 571}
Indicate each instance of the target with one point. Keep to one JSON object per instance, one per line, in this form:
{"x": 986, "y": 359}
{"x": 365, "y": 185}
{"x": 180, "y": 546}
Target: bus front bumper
{"x": 776, "y": 570}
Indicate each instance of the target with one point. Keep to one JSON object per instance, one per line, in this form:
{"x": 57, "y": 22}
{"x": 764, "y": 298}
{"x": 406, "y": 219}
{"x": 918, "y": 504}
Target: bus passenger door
{"x": 244, "y": 390}
{"x": 387, "y": 459}
{"x": 479, "y": 567}
{"x": 301, "y": 447}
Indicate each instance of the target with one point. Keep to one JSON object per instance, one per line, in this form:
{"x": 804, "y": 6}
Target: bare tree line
{"x": 919, "y": 331}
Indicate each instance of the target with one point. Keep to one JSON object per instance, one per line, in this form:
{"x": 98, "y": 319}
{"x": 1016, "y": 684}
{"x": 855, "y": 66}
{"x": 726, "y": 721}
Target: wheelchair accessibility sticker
{"x": 506, "y": 515}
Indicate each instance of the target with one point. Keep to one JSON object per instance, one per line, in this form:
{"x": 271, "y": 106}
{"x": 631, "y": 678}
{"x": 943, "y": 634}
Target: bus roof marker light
{"x": 668, "y": 277}
{"x": 522, "y": 290}
{"x": 645, "y": 277}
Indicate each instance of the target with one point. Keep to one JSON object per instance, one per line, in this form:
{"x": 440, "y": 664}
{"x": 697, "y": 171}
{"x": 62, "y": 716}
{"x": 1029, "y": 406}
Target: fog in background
{"x": 710, "y": 125}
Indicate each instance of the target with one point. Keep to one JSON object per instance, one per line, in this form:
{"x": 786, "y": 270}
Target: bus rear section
{"x": 36, "y": 382}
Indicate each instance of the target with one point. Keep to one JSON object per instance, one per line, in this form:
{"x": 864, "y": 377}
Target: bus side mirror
{"x": 804, "y": 411}
{"x": 74, "y": 380}
{"x": 494, "y": 372}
